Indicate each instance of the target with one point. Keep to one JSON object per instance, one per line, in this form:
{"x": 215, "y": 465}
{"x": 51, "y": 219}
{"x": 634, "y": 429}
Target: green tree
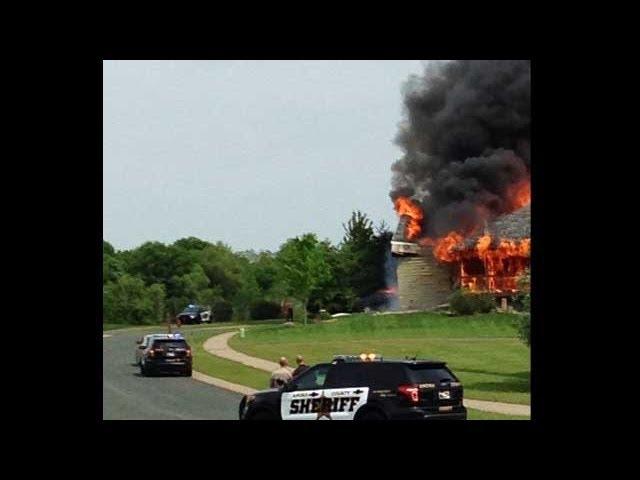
{"x": 248, "y": 290}
{"x": 333, "y": 292}
{"x": 107, "y": 248}
{"x": 358, "y": 230}
{"x": 222, "y": 267}
{"x": 265, "y": 272}
{"x": 156, "y": 294}
{"x": 363, "y": 254}
{"x": 193, "y": 287}
{"x": 155, "y": 262}
{"x": 112, "y": 265}
{"x": 302, "y": 267}
{"x": 191, "y": 243}
{"x": 128, "y": 300}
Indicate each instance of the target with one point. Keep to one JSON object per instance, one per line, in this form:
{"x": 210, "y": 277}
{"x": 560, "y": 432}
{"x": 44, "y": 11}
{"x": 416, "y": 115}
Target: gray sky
{"x": 247, "y": 152}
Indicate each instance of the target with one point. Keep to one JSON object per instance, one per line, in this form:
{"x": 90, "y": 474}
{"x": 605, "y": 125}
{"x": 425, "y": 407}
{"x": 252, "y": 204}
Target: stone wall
{"x": 422, "y": 282}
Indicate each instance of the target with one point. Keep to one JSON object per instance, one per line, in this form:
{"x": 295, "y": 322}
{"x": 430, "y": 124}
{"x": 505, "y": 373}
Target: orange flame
{"x": 483, "y": 268}
{"x": 406, "y": 206}
{"x": 483, "y": 245}
{"x": 519, "y": 194}
{"x": 444, "y": 248}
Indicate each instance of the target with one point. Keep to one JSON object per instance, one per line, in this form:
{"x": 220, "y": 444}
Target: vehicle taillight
{"x": 412, "y": 392}
{"x": 151, "y": 353}
{"x": 188, "y": 352}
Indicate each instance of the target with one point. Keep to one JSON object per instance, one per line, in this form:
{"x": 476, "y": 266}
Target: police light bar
{"x": 363, "y": 357}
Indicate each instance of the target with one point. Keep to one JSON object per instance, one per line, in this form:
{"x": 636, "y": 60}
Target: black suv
{"x": 362, "y": 388}
{"x": 166, "y": 354}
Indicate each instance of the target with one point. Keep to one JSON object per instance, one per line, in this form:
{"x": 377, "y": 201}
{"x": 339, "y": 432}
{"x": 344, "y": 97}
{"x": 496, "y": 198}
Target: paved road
{"x": 128, "y": 396}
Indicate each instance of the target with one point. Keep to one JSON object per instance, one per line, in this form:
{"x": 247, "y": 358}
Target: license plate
{"x": 171, "y": 354}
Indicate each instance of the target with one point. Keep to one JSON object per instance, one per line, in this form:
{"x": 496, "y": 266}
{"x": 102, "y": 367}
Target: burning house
{"x": 462, "y": 188}
{"x": 490, "y": 259}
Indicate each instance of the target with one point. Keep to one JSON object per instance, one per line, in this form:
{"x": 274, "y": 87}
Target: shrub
{"x": 222, "y": 311}
{"x": 357, "y": 306}
{"x": 465, "y": 303}
{"x": 524, "y": 328}
{"x": 460, "y": 303}
{"x": 265, "y": 310}
{"x": 483, "y": 302}
{"x": 523, "y": 299}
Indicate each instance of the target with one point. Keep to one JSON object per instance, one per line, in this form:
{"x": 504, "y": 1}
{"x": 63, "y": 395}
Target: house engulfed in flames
{"x": 490, "y": 259}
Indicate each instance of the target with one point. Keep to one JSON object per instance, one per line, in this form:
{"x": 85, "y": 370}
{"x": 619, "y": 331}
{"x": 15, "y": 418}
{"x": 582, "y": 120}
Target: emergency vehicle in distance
{"x": 364, "y": 387}
{"x": 166, "y": 353}
{"x": 195, "y": 314}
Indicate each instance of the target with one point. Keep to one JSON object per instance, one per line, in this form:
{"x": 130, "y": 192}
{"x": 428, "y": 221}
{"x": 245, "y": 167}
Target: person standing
{"x": 287, "y": 310}
{"x": 282, "y": 375}
{"x": 302, "y": 366}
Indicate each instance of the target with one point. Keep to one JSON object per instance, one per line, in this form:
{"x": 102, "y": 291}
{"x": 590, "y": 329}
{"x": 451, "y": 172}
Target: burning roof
{"x": 512, "y": 226}
{"x": 515, "y": 226}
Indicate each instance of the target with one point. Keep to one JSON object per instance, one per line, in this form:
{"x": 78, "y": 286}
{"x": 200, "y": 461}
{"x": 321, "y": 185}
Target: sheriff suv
{"x": 364, "y": 387}
{"x": 166, "y": 354}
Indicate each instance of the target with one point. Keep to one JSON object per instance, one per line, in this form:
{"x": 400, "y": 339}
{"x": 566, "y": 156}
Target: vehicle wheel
{"x": 145, "y": 371}
{"x": 370, "y": 415}
{"x": 188, "y": 372}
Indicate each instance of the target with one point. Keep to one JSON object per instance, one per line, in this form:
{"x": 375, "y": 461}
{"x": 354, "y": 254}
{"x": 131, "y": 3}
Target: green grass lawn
{"x": 483, "y": 350}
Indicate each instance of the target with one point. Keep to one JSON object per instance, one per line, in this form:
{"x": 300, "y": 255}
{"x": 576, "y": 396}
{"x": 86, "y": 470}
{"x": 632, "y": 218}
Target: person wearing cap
{"x": 302, "y": 366}
{"x": 281, "y": 375}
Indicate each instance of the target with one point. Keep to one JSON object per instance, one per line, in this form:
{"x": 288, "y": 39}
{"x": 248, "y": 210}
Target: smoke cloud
{"x": 466, "y": 141}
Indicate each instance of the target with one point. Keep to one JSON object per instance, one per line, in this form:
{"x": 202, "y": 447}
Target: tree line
{"x": 155, "y": 281}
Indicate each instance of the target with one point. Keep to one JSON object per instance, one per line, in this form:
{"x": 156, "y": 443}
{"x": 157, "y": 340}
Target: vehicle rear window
{"x": 376, "y": 375}
{"x": 430, "y": 374}
{"x": 169, "y": 343}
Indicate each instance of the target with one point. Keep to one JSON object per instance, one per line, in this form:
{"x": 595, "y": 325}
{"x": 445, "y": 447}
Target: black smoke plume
{"x": 466, "y": 138}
